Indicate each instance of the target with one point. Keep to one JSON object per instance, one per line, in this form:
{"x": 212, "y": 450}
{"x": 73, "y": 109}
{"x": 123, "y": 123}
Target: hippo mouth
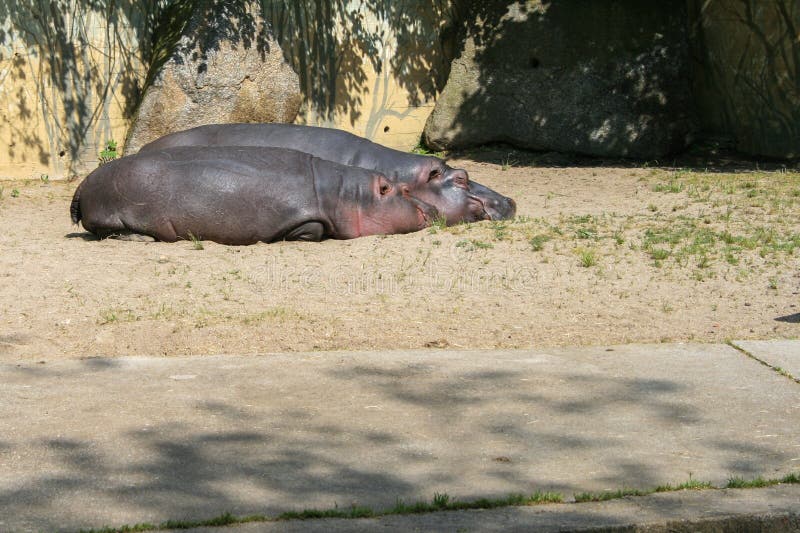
{"x": 426, "y": 213}
{"x": 479, "y": 206}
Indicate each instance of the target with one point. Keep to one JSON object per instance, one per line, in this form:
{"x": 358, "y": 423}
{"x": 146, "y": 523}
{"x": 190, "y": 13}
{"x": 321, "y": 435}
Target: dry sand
{"x": 626, "y": 255}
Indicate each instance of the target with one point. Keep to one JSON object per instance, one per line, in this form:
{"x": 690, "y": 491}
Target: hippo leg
{"x": 310, "y": 231}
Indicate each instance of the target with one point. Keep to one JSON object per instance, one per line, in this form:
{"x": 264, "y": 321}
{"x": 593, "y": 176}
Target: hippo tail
{"x": 75, "y": 206}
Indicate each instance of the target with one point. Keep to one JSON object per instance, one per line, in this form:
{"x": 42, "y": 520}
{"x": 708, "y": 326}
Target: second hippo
{"x": 429, "y": 178}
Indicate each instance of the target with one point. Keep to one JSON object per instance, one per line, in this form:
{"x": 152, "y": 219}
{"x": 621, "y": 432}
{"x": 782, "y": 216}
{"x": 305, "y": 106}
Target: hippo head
{"x": 383, "y": 207}
{"x": 456, "y": 197}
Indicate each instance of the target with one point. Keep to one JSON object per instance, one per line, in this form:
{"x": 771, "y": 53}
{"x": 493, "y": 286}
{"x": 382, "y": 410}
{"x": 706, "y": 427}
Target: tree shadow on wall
{"x": 330, "y": 45}
{"x": 746, "y": 62}
{"x": 79, "y": 56}
{"x": 596, "y": 78}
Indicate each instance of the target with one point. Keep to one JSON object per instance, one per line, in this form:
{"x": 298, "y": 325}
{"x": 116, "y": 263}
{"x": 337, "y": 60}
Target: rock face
{"x": 599, "y": 78}
{"x": 225, "y": 67}
{"x": 746, "y": 72}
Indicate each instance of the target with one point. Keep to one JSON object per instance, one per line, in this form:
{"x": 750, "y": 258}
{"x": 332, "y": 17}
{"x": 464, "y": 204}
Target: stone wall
{"x": 746, "y": 73}
{"x": 600, "y": 78}
{"x": 224, "y": 67}
{"x": 72, "y": 72}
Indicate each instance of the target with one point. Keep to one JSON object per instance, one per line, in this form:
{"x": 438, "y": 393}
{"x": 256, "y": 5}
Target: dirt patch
{"x": 598, "y": 255}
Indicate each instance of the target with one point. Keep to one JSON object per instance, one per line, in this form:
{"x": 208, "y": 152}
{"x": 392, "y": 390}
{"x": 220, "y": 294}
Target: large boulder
{"x": 605, "y": 78}
{"x": 225, "y": 67}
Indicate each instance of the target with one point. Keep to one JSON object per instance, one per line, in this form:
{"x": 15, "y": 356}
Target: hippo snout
{"x": 501, "y": 208}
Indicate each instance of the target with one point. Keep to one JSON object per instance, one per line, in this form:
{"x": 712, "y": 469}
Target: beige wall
{"x": 72, "y": 71}
{"x": 379, "y": 109}
{"x": 69, "y": 76}
{"x": 372, "y": 68}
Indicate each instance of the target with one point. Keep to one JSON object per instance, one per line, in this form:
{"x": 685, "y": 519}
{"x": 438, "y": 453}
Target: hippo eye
{"x": 434, "y": 174}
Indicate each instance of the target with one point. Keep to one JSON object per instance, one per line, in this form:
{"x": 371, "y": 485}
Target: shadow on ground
{"x": 700, "y": 158}
{"x": 197, "y": 441}
{"x": 791, "y": 319}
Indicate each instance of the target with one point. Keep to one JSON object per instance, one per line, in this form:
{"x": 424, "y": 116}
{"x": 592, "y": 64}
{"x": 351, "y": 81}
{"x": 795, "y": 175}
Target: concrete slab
{"x": 119, "y": 441}
{"x": 784, "y": 354}
{"x": 765, "y": 510}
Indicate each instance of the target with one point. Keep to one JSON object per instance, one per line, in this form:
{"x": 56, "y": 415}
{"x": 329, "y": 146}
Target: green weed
{"x": 692, "y": 484}
{"x": 440, "y": 499}
{"x": 111, "y": 316}
{"x": 500, "y": 230}
{"x": 581, "y": 219}
{"x": 587, "y": 257}
{"x": 740, "y": 483}
{"x": 607, "y": 495}
{"x": 438, "y": 223}
{"x": 473, "y": 244}
{"x": 197, "y": 244}
{"x": 443, "y": 502}
{"x": 659, "y": 254}
{"x": 109, "y": 153}
{"x": 508, "y": 163}
{"x": 537, "y": 241}
{"x": 672, "y": 186}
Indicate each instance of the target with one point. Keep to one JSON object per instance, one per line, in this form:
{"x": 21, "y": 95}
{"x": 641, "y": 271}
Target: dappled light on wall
{"x": 72, "y": 73}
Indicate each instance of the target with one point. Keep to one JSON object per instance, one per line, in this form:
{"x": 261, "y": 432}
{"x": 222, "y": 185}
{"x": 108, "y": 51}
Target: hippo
{"x": 429, "y": 178}
{"x": 242, "y": 195}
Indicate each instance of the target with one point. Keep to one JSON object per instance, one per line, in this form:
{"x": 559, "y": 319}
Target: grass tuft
{"x": 537, "y": 241}
{"x": 741, "y": 483}
{"x": 197, "y": 244}
{"x": 587, "y": 257}
{"x": 443, "y": 502}
{"x": 440, "y": 500}
{"x": 673, "y": 186}
{"x": 791, "y": 478}
{"x": 607, "y": 495}
{"x": 692, "y": 484}
{"x": 473, "y": 244}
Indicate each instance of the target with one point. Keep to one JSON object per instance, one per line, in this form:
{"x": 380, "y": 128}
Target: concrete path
{"x": 773, "y": 509}
{"x": 782, "y": 355}
{"x": 88, "y": 443}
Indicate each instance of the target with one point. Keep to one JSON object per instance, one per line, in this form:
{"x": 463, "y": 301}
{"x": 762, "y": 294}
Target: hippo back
{"x": 326, "y": 143}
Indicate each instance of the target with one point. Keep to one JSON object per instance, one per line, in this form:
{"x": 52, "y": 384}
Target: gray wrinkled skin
{"x": 242, "y": 195}
{"x": 430, "y": 179}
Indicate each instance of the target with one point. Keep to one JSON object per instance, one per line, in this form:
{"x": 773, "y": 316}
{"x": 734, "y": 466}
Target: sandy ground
{"x": 598, "y": 255}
